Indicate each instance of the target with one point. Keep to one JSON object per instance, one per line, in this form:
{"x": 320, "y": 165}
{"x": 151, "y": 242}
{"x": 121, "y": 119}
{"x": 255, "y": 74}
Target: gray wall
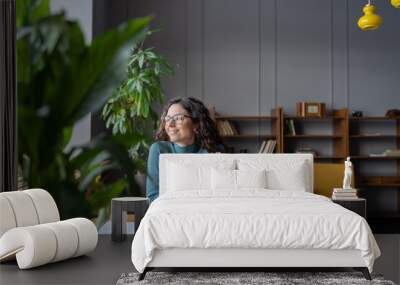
{"x": 248, "y": 56}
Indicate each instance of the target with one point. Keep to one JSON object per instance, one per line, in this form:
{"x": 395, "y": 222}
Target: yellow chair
{"x": 328, "y": 176}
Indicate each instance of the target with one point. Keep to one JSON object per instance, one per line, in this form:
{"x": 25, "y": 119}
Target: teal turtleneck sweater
{"x": 152, "y": 183}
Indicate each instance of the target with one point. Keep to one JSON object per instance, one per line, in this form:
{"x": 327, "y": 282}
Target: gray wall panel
{"x": 303, "y": 52}
{"x": 268, "y": 99}
{"x": 339, "y": 53}
{"x": 194, "y": 52}
{"x": 170, "y": 17}
{"x": 231, "y": 55}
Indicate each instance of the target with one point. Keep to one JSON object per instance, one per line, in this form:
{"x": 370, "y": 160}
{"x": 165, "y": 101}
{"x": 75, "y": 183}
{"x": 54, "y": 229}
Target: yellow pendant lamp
{"x": 396, "y": 3}
{"x": 370, "y": 21}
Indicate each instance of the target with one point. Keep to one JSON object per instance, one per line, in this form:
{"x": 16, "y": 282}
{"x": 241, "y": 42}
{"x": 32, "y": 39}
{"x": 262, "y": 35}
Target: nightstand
{"x": 358, "y": 206}
{"x": 120, "y": 207}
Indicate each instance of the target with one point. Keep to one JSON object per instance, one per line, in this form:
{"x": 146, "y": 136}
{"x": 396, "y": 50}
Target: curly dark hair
{"x": 207, "y": 136}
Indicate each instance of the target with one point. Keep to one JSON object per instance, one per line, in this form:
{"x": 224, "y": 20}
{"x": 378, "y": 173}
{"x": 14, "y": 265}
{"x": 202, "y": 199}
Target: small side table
{"x": 358, "y": 206}
{"x": 120, "y": 207}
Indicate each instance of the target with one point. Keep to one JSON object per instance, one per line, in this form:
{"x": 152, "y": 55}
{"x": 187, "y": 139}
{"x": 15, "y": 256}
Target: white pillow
{"x": 223, "y": 179}
{"x": 292, "y": 175}
{"x": 226, "y": 179}
{"x": 251, "y": 178}
{"x": 190, "y": 176}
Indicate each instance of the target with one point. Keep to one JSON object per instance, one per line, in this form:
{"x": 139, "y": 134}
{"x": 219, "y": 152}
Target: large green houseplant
{"x": 60, "y": 80}
{"x": 130, "y": 108}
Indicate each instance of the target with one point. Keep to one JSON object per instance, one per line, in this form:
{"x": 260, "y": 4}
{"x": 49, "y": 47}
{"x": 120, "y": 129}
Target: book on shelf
{"x": 388, "y": 152}
{"x": 226, "y": 128}
{"x": 392, "y": 152}
{"x": 290, "y": 129}
{"x": 267, "y": 147}
{"x": 232, "y": 128}
{"x": 220, "y": 128}
{"x": 377, "y": 154}
{"x": 261, "y": 150}
{"x": 272, "y": 146}
{"x": 372, "y": 134}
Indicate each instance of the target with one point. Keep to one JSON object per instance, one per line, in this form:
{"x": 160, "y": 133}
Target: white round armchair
{"x": 31, "y": 230}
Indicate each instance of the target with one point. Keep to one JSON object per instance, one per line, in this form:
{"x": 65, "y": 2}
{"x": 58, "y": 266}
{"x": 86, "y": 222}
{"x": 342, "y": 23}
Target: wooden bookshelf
{"x": 275, "y": 121}
{"x": 345, "y": 138}
{"x": 313, "y": 136}
{"x": 379, "y": 181}
{"x": 330, "y": 157}
{"x": 249, "y": 136}
{"x": 325, "y": 118}
{"x": 245, "y": 118}
{"x": 379, "y": 221}
{"x": 369, "y": 157}
{"x": 359, "y": 138}
{"x": 374, "y": 118}
{"x": 337, "y": 121}
{"x": 366, "y": 136}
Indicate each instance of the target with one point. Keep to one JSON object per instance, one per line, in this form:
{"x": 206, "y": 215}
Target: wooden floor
{"x": 103, "y": 266}
{"x": 111, "y": 259}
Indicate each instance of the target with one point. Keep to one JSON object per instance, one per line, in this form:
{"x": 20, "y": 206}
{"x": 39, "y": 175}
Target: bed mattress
{"x": 250, "y": 219}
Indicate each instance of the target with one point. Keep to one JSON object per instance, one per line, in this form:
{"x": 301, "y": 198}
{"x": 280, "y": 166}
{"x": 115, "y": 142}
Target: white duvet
{"x": 253, "y": 218}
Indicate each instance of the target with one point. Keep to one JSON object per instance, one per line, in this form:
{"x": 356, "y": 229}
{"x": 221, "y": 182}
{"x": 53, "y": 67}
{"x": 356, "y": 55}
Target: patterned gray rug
{"x": 270, "y": 278}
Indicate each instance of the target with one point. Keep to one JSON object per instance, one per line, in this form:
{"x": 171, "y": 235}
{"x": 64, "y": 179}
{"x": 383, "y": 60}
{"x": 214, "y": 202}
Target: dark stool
{"x": 120, "y": 207}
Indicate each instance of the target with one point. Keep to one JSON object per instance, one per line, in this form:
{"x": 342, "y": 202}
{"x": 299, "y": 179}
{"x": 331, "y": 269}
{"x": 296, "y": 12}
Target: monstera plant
{"x": 60, "y": 80}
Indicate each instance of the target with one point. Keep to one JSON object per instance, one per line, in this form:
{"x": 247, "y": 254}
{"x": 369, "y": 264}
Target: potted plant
{"x": 130, "y": 108}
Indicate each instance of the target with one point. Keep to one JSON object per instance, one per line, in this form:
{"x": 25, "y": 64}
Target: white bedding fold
{"x": 253, "y": 218}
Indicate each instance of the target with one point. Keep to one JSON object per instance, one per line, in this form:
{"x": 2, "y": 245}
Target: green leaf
{"x": 101, "y": 69}
{"x": 28, "y": 11}
{"x": 139, "y": 86}
{"x": 67, "y": 134}
{"x": 39, "y": 9}
{"x": 141, "y": 60}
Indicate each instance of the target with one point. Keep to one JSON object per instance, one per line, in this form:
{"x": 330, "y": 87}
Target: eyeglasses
{"x": 178, "y": 119}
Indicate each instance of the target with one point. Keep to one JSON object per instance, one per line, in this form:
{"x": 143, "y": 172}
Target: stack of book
{"x": 226, "y": 128}
{"x": 344, "y": 194}
{"x": 267, "y": 147}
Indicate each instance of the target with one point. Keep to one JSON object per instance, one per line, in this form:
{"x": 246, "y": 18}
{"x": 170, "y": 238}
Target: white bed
{"x": 247, "y": 210}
